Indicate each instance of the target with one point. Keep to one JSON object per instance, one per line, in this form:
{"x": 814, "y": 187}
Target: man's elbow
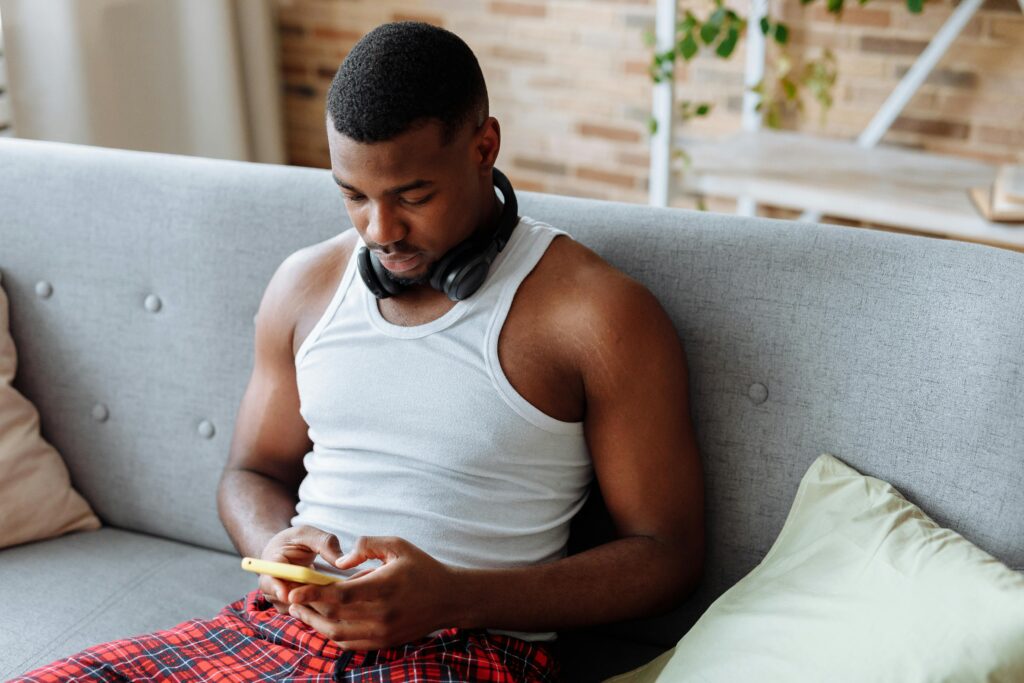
{"x": 688, "y": 568}
{"x": 679, "y": 570}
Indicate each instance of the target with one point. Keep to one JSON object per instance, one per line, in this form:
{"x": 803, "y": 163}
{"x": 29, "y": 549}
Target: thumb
{"x": 329, "y": 547}
{"x": 369, "y": 548}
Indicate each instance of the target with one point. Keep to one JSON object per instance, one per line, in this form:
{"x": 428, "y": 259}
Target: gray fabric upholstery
{"x": 63, "y": 595}
{"x": 903, "y": 356}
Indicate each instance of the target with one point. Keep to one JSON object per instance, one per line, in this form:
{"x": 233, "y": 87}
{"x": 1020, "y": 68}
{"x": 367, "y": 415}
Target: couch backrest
{"x": 901, "y": 355}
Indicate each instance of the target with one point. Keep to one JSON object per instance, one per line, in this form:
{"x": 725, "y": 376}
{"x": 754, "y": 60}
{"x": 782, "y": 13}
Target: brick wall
{"x": 568, "y": 80}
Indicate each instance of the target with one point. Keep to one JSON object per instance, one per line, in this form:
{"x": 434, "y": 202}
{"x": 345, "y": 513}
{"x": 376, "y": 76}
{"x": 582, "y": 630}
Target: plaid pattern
{"x": 250, "y": 641}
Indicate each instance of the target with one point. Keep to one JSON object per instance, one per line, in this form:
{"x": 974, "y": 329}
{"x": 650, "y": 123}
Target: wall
{"x": 568, "y": 80}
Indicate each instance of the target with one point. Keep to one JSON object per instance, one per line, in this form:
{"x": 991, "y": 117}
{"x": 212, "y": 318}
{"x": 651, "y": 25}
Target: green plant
{"x": 721, "y": 31}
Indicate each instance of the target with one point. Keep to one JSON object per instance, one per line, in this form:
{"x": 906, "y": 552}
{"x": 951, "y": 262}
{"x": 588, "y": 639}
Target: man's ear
{"x": 486, "y": 144}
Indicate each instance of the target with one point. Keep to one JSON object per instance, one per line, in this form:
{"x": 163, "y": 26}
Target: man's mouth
{"x": 399, "y": 263}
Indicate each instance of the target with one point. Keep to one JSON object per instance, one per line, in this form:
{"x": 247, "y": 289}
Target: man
{"x": 429, "y": 436}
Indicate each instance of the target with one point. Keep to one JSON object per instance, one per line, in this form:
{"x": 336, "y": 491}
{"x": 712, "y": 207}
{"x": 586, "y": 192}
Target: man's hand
{"x": 300, "y": 546}
{"x": 406, "y": 598}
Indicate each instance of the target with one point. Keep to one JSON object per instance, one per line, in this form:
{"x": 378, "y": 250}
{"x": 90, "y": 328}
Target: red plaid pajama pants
{"x": 250, "y": 641}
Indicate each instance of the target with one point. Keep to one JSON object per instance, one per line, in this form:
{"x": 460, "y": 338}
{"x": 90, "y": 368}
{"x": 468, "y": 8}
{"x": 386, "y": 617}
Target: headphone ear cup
{"x": 374, "y": 275}
{"x": 449, "y": 263}
{"x": 464, "y": 282}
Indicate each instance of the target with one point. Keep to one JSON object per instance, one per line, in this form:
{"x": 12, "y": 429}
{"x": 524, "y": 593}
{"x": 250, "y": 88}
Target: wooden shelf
{"x": 886, "y": 185}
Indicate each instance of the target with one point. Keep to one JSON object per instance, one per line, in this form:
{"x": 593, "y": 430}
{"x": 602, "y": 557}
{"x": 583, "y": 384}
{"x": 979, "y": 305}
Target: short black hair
{"x": 402, "y": 74}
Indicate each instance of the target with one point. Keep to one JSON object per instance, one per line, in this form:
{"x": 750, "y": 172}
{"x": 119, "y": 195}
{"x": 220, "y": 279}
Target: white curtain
{"x": 6, "y": 129}
{"x": 196, "y": 77}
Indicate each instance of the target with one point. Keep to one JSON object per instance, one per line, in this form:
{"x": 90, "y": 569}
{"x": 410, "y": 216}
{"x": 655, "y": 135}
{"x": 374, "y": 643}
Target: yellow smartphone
{"x": 288, "y": 572}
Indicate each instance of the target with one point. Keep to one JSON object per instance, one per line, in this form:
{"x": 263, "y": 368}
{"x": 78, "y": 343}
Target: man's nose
{"x": 384, "y": 227}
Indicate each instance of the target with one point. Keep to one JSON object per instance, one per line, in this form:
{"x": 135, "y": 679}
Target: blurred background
{"x": 569, "y": 80}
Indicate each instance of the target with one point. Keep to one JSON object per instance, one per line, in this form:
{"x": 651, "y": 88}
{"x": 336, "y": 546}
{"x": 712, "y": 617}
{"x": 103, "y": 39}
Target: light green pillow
{"x": 860, "y": 586}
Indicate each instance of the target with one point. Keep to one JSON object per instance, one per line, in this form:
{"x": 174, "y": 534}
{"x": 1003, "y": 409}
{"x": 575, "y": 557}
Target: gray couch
{"x": 901, "y": 355}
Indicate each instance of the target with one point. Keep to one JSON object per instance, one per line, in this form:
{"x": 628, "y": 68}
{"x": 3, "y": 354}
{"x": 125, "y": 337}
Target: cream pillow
{"x": 860, "y": 586}
{"x": 36, "y": 498}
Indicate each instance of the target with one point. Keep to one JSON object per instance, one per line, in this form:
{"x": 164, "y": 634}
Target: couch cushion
{"x": 65, "y": 594}
{"x": 860, "y": 585}
{"x": 36, "y": 498}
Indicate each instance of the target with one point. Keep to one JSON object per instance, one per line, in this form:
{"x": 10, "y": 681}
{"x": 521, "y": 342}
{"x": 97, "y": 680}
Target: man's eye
{"x": 417, "y": 202}
{"x": 355, "y": 197}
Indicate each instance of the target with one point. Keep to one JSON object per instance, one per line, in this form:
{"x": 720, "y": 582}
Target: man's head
{"x": 412, "y": 145}
{"x": 401, "y": 74}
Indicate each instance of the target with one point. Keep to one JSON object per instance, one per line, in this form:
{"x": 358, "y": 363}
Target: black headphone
{"x": 461, "y": 271}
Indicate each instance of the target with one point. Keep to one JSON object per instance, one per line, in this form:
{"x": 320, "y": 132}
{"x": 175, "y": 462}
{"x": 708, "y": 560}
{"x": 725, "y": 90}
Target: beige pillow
{"x": 36, "y": 498}
{"x": 861, "y": 585}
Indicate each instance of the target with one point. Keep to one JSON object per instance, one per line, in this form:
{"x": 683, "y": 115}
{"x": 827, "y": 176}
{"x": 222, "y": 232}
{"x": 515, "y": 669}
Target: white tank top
{"x": 417, "y": 432}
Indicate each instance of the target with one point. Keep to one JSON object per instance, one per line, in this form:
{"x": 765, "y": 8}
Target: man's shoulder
{"x": 314, "y": 262}
{"x": 577, "y": 279}
{"x": 596, "y": 313}
{"x": 304, "y": 282}
{"x": 598, "y": 317}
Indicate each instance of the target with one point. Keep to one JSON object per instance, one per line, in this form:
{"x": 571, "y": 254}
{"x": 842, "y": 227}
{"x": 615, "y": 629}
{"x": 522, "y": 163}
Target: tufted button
{"x": 757, "y": 392}
{"x": 44, "y": 289}
{"x": 153, "y": 303}
{"x": 100, "y": 412}
{"x": 206, "y": 429}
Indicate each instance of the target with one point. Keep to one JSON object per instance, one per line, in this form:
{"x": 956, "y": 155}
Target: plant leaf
{"x": 662, "y": 65}
{"x": 915, "y": 6}
{"x": 688, "y": 23}
{"x": 725, "y": 48}
{"x": 688, "y": 47}
{"x": 708, "y": 33}
{"x": 765, "y": 25}
{"x": 789, "y": 87}
{"x": 781, "y": 33}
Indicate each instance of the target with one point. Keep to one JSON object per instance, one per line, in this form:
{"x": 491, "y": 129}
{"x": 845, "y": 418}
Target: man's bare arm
{"x": 258, "y": 490}
{"x": 646, "y": 461}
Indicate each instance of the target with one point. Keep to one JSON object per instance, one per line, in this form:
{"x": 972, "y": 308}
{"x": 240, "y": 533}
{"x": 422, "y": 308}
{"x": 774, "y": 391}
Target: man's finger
{"x": 363, "y": 572}
{"x": 332, "y": 629}
{"x": 329, "y": 547}
{"x": 362, "y": 645}
{"x": 273, "y": 590}
{"x": 306, "y": 540}
{"x": 306, "y": 594}
{"x": 276, "y": 589}
{"x": 384, "y": 548}
{"x": 361, "y": 612}
{"x": 345, "y": 592}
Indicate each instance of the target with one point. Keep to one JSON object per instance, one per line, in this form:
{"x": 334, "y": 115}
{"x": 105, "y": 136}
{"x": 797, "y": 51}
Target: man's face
{"x": 411, "y": 198}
